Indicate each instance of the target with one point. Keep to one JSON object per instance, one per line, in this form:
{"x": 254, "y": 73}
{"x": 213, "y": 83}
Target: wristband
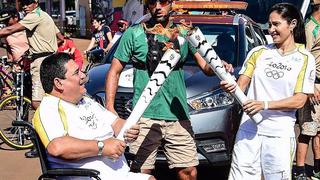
{"x": 266, "y": 105}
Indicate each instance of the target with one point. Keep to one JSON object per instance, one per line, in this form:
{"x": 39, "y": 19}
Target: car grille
{"x": 123, "y": 104}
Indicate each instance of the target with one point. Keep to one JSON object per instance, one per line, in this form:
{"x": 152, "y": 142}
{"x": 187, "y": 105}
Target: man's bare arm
{"x": 205, "y": 67}
{"x": 71, "y": 148}
{"x": 112, "y": 79}
{"x": 11, "y": 29}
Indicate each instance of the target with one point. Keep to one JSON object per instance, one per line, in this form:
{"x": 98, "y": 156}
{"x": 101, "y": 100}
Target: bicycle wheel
{"x": 15, "y": 137}
{"x": 1, "y": 87}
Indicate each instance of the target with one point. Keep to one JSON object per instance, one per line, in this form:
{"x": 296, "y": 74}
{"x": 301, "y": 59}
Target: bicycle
{"x": 6, "y": 78}
{"x": 17, "y": 107}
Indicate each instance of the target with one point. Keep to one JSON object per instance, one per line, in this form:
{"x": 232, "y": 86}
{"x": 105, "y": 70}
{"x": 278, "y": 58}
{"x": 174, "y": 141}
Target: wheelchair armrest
{"x": 73, "y": 172}
{"x": 129, "y": 156}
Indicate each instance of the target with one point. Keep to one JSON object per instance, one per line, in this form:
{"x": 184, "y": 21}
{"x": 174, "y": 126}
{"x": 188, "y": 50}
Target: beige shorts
{"x": 315, "y": 113}
{"x": 176, "y": 139}
{"x": 309, "y": 119}
{"x": 37, "y": 90}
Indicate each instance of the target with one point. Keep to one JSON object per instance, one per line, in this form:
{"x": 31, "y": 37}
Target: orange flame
{"x": 171, "y": 33}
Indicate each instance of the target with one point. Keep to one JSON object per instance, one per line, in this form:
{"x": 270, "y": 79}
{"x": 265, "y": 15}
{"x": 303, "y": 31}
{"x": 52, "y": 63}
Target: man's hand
{"x": 111, "y": 109}
{"x": 131, "y": 134}
{"x": 113, "y": 148}
{"x": 315, "y": 99}
{"x": 227, "y": 66}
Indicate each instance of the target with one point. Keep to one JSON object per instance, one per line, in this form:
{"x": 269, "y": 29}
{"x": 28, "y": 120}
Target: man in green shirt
{"x": 167, "y": 117}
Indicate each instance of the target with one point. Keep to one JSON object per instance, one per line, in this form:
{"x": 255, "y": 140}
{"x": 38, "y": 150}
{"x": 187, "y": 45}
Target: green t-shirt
{"x": 170, "y": 103}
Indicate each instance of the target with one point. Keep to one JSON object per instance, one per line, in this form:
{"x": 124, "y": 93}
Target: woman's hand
{"x": 251, "y": 107}
{"x": 230, "y": 88}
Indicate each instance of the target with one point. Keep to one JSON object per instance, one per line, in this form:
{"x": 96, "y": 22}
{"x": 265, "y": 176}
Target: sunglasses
{"x": 27, "y": 2}
{"x": 161, "y": 2}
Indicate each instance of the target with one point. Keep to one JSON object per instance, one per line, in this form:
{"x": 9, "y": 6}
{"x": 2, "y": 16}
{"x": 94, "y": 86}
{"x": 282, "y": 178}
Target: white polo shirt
{"x": 275, "y": 77}
{"x": 86, "y": 120}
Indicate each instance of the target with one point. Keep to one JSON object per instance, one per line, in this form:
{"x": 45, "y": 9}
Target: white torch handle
{"x": 165, "y": 66}
{"x": 198, "y": 40}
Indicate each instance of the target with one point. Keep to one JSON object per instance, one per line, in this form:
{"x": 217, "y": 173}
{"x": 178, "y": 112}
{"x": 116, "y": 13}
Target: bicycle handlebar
{"x": 22, "y": 123}
{"x": 22, "y": 61}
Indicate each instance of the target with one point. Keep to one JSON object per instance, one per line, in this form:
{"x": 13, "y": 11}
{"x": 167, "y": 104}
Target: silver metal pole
{"x": 62, "y": 12}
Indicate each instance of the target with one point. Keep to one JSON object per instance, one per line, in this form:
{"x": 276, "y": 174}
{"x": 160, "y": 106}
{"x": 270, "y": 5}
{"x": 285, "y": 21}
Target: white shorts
{"x": 254, "y": 155}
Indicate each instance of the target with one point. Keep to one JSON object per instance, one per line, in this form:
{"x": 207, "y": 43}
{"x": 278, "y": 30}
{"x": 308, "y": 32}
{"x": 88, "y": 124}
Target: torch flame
{"x": 171, "y": 33}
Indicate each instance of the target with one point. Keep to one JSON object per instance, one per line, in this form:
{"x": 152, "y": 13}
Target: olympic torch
{"x": 197, "y": 40}
{"x": 164, "y": 68}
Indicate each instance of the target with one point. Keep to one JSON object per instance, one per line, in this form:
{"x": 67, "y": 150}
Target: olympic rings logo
{"x": 274, "y": 73}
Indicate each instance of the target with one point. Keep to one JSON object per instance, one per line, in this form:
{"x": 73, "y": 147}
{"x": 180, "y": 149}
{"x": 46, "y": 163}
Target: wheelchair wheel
{"x": 15, "y": 136}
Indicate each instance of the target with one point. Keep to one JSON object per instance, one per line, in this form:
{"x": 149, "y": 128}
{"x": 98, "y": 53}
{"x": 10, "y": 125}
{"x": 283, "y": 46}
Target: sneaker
{"x": 301, "y": 176}
{"x": 315, "y": 176}
{"x": 33, "y": 153}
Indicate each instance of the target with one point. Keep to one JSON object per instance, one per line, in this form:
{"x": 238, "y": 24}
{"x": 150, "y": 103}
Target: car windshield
{"x": 223, "y": 38}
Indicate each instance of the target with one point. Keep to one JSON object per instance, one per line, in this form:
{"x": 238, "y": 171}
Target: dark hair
{"x": 53, "y": 67}
{"x": 99, "y": 18}
{"x": 315, "y": 7}
{"x": 289, "y": 12}
{"x": 122, "y": 21}
{"x": 154, "y": 1}
{"x": 7, "y": 13}
{"x": 27, "y": 2}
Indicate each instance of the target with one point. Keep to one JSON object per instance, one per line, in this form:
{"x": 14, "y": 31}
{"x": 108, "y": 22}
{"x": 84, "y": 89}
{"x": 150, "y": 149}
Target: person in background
{"x": 166, "y": 121}
{"x": 279, "y": 78}
{"x": 76, "y": 130}
{"x": 101, "y": 35}
{"x": 69, "y": 47}
{"x": 122, "y": 25}
{"x": 42, "y": 36}
{"x": 16, "y": 43}
{"x": 309, "y": 115}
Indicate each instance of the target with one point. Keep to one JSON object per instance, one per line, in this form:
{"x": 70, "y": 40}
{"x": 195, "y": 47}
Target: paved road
{"x": 14, "y": 166}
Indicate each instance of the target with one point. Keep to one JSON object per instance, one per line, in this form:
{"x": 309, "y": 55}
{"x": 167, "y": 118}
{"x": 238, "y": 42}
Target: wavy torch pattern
{"x": 167, "y": 63}
{"x": 197, "y": 40}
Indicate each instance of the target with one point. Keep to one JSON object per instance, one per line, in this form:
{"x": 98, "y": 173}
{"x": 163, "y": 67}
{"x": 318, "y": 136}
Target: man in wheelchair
{"x": 77, "y": 131}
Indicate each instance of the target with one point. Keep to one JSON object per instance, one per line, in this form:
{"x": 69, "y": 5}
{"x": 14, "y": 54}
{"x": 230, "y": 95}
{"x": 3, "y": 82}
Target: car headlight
{"x": 210, "y": 100}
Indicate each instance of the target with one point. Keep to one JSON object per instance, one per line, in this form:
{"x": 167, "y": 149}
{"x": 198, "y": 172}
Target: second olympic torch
{"x": 165, "y": 66}
{"x": 198, "y": 40}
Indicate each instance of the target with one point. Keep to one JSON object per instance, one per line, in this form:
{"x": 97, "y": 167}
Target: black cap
{"x": 27, "y": 2}
{"x": 7, "y": 13}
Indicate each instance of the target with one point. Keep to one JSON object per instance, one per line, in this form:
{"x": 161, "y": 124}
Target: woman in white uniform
{"x": 278, "y": 77}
